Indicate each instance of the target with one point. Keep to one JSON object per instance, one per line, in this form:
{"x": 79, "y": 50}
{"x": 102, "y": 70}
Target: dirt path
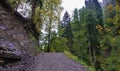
{"x": 46, "y": 62}
{"x": 54, "y": 62}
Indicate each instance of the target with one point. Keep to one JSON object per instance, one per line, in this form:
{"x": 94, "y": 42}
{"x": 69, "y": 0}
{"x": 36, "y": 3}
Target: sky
{"x": 70, "y": 5}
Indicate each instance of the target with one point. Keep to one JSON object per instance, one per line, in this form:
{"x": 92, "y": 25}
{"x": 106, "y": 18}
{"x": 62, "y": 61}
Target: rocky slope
{"x": 15, "y": 42}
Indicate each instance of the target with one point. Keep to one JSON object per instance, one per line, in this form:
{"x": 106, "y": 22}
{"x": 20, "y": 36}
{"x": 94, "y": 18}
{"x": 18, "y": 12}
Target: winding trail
{"x": 54, "y": 62}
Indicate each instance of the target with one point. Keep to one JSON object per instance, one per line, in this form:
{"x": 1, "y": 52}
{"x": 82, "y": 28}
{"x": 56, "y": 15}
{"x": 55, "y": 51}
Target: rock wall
{"x": 13, "y": 37}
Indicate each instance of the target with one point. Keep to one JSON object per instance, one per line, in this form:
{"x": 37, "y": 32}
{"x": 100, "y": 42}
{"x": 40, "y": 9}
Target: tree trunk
{"x": 33, "y": 9}
{"x": 90, "y": 56}
{"x": 49, "y": 34}
{"x": 49, "y": 39}
{"x": 94, "y": 56}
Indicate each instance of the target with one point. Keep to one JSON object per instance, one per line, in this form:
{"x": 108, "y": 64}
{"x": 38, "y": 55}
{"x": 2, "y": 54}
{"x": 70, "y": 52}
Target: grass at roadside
{"x": 76, "y": 59}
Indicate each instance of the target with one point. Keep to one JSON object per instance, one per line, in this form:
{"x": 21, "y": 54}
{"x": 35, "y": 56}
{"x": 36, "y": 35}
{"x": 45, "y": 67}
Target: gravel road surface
{"x": 46, "y": 62}
{"x": 54, "y": 62}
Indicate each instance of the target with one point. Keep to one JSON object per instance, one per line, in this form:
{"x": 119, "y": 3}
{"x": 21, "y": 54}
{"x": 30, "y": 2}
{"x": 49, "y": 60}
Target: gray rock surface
{"x": 15, "y": 41}
{"x": 10, "y": 55}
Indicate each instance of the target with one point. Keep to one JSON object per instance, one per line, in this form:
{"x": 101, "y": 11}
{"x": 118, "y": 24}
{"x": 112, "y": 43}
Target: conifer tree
{"x": 67, "y": 31}
{"x": 92, "y": 36}
{"x": 95, "y": 6}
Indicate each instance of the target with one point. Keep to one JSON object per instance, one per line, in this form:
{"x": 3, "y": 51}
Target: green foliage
{"x": 15, "y": 3}
{"x": 76, "y": 59}
{"x": 102, "y": 38}
{"x": 50, "y": 14}
{"x": 59, "y": 45}
{"x": 96, "y": 42}
{"x": 110, "y": 11}
{"x": 75, "y": 22}
{"x": 95, "y": 7}
{"x": 67, "y": 33}
{"x": 78, "y": 29}
{"x": 109, "y": 43}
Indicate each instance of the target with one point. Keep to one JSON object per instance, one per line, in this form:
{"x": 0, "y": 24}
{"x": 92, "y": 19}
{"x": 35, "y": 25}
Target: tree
{"x": 78, "y": 25}
{"x": 75, "y": 22}
{"x": 94, "y": 24}
{"x": 95, "y": 6}
{"x": 35, "y": 3}
{"x": 58, "y": 44}
{"x": 15, "y": 3}
{"x": 92, "y": 36}
{"x": 117, "y": 16}
{"x": 110, "y": 37}
{"x": 50, "y": 14}
{"x": 67, "y": 31}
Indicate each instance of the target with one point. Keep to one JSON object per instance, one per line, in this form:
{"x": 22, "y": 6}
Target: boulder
{"x": 10, "y": 55}
{"x": 9, "y": 52}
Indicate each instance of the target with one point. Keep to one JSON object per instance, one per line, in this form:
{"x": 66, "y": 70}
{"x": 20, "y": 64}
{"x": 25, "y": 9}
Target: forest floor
{"x": 55, "y": 62}
{"x": 48, "y": 62}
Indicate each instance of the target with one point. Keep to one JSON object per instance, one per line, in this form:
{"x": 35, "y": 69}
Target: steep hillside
{"x": 15, "y": 41}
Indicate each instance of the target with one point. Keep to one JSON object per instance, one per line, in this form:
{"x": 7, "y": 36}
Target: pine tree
{"x": 92, "y": 22}
{"x": 95, "y": 6}
{"x": 78, "y": 29}
{"x": 67, "y": 31}
{"x": 75, "y": 21}
{"x": 92, "y": 37}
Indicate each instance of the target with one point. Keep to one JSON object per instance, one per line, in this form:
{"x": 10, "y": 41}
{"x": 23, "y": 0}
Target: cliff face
{"x": 107, "y": 2}
{"x": 15, "y": 42}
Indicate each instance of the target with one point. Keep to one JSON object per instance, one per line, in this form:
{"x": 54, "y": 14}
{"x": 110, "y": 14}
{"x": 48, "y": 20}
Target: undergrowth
{"x": 76, "y": 59}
